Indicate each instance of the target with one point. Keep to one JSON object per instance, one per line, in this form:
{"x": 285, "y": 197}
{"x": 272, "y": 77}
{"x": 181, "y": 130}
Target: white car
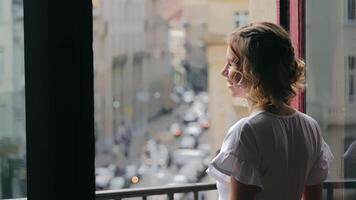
{"x": 159, "y": 154}
{"x": 188, "y": 96}
{"x": 193, "y": 170}
{"x": 193, "y": 129}
{"x": 103, "y": 176}
{"x": 183, "y": 156}
{"x": 205, "y": 148}
{"x": 188, "y": 142}
{"x": 175, "y": 129}
{"x": 117, "y": 183}
{"x": 190, "y": 116}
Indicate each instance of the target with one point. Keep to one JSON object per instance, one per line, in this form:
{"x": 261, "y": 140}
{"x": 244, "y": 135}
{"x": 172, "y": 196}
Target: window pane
{"x": 156, "y": 66}
{"x": 330, "y": 53}
{"x": 351, "y": 9}
{"x": 12, "y": 101}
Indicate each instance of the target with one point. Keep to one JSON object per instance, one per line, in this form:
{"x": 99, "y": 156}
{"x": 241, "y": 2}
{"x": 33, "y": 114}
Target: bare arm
{"x": 240, "y": 191}
{"x": 312, "y": 192}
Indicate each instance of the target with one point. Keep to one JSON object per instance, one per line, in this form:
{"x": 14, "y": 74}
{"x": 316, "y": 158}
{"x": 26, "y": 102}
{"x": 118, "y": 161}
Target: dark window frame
{"x": 291, "y": 16}
{"x": 59, "y": 99}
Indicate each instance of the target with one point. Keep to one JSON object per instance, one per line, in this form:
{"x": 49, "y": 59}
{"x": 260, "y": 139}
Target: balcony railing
{"x": 169, "y": 191}
{"x": 151, "y": 191}
{"x": 330, "y": 185}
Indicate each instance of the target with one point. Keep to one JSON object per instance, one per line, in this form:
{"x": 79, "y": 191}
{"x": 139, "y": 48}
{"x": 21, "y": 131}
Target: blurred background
{"x": 161, "y": 106}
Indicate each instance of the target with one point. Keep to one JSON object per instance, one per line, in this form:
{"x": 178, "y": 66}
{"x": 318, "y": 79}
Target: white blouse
{"x": 279, "y": 154}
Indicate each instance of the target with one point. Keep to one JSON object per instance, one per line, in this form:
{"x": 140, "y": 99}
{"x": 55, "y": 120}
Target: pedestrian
{"x": 126, "y": 139}
{"x": 277, "y": 152}
{"x": 123, "y": 137}
{"x": 120, "y": 131}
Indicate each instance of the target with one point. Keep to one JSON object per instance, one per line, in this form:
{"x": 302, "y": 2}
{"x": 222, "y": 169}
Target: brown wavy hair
{"x": 271, "y": 71}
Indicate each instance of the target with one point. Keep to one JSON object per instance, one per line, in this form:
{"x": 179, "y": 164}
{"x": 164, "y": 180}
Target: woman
{"x": 277, "y": 152}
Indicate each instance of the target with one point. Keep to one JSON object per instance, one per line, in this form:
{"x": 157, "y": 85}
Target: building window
{"x": 351, "y": 10}
{"x": 351, "y": 65}
{"x": 241, "y": 19}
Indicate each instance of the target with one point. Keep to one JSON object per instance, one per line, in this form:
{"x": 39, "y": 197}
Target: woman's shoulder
{"x": 243, "y": 122}
{"x": 239, "y": 124}
{"x": 308, "y": 118}
{"x": 236, "y": 125}
{"x": 242, "y": 125}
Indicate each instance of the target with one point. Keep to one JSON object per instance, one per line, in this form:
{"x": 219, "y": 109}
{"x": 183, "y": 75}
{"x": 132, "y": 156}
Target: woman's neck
{"x": 279, "y": 108}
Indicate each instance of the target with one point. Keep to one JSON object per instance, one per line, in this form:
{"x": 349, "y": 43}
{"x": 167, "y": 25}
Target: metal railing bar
{"x": 196, "y": 195}
{"x": 171, "y": 196}
{"x": 329, "y": 185}
{"x": 139, "y": 192}
{"x": 340, "y": 184}
{"x": 329, "y": 191}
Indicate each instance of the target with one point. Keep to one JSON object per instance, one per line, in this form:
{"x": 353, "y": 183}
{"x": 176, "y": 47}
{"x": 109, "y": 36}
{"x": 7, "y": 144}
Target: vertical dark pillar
{"x": 59, "y": 99}
{"x": 283, "y": 13}
{"x": 291, "y": 16}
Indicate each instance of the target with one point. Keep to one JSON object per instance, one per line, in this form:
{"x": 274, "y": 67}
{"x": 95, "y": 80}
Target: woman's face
{"x": 232, "y": 75}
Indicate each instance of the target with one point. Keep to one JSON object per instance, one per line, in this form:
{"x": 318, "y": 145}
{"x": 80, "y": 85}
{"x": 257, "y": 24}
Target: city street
{"x": 157, "y": 129}
{"x": 172, "y": 149}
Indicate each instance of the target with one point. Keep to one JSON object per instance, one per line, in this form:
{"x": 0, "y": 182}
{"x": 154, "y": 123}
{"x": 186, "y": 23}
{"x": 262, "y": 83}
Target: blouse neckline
{"x": 275, "y": 115}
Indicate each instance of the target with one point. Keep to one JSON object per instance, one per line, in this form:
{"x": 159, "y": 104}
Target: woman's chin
{"x": 236, "y": 91}
{"x": 233, "y": 93}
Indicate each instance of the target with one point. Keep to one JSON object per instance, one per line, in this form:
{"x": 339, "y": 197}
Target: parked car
{"x": 117, "y": 183}
{"x": 183, "y": 156}
{"x": 103, "y": 175}
{"x": 179, "y": 179}
{"x": 189, "y": 117}
{"x": 194, "y": 170}
{"x": 157, "y": 154}
{"x": 188, "y": 142}
{"x": 193, "y": 129}
{"x": 199, "y": 108}
{"x": 175, "y": 129}
{"x": 204, "y": 123}
{"x": 188, "y": 96}
{"x": 205, "y": 148}
{"x": 132, "y": 175}
{"x": 153, "y": 177}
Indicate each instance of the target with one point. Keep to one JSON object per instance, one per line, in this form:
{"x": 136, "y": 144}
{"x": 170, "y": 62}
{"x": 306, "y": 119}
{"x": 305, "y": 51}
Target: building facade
{"x": 195, "y": 25}
{"x": 224, "y": 110}
{"x": 131, "y": 64}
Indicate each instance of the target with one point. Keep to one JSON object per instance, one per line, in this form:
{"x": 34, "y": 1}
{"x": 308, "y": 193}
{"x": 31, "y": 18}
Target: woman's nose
{"x": 223, "y": 71}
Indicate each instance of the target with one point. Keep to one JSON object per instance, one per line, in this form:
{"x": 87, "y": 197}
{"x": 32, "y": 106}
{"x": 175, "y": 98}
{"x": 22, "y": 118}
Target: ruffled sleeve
{"x": 320, "y": 169}
{"x": 239, "y": 157}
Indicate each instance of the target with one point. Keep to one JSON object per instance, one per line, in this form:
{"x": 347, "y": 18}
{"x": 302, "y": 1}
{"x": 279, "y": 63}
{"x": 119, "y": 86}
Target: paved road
{"x": 157, "y": 129}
